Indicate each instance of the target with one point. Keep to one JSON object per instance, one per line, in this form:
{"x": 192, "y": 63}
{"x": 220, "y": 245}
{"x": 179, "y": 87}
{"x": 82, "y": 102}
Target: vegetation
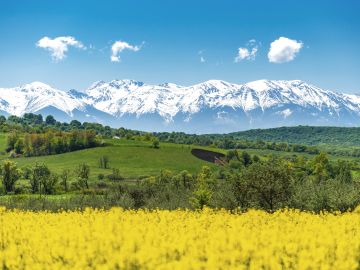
{"x": 243, "y": 182}
{"x": 50, "y": 142}
{"x": 133, "y": 170}
{"x": 229, "y": 142}
{"x": 9, "y": 174}
{"x": 308, "y": 135}
{"x": 207, "y": 239}
{"x": 338, "y": 141}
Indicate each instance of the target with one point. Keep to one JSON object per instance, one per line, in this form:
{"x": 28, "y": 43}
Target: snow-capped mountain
{"x": 208, "y": 107}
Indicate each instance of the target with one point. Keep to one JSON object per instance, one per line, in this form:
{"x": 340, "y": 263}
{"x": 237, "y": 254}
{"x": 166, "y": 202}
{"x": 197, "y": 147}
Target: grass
{"x": 133, "y": 158}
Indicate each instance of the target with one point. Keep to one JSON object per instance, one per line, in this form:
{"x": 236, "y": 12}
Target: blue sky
{"x": 184, "y": 42}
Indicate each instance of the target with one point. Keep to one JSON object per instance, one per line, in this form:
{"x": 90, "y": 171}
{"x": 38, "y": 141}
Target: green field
{"x": 133, "y": 158}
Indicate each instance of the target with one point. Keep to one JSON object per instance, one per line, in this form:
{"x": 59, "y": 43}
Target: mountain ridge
{"x": 210, "y": 106}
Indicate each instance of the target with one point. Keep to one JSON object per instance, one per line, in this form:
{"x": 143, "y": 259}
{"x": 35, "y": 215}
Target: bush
{"x": 102, "y": 185}
{"x": 115, "y": 176}
{"x": 155, "y": 143}
{"x": 26, "y": 172}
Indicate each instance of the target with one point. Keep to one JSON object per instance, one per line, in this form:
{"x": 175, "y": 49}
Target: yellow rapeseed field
{"x": 208, "y": 239}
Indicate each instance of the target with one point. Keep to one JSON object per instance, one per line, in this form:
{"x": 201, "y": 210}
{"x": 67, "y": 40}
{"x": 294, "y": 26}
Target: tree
{"x": 10, "y": 174}
{"x": 48, "y": 185}
{"x": 40, "y": 175}
{"x": 75, "y": 124}
{"x": 256, "y": 158}
{"x": 343, "y": 172}
{"x": 232, "y": 154}
{"x": 50, "y": 120}
{"x": 104, "y": 162}
{"x": 269, "y": 183}
{"x": 203, "y": 192}
{"x": 201, "y": 197}
{"x": 26, "y": 172}
{"x": 83, "y": 173}
{"x": 27, "y": 145}
{"x": 64, "y": 176}
{"x": 12, "y": 138}
{"x": 186, "y": 179}
{"x": 19, "y": 146}
{"x": 2, "y": 119}
{"x": 155, "y": 143}
{"x": 246, "y": 158}
{"x": 148, "y": 137}
{"x": 321, "y": 167}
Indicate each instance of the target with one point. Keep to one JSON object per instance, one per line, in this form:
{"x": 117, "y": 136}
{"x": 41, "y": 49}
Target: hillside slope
{"x": 309, "y": 135}
{"x": 133, "y": 159}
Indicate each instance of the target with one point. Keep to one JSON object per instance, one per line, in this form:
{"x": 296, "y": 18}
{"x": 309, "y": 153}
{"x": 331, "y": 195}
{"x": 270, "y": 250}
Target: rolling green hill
{"x": 133, "y": 158}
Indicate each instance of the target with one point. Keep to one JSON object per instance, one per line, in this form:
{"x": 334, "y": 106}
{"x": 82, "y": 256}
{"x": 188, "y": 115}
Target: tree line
{"x": 303, "y": 139}
{"x": 41, "y": 180}
{"x": 228, "y": 142}
{"x": 50, "y": 142}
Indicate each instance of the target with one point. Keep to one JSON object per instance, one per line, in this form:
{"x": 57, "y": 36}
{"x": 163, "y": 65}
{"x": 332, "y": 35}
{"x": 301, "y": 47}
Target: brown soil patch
{"x": 210, "y": 156}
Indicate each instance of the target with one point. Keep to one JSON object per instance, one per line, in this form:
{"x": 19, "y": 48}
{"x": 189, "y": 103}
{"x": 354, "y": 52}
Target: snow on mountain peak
{"x": 36, "y": 85}
{"x": 36, "y": 96}
{"x": 170, "y": 99}
{"x": 170, "y": 85}
{"x": 97, "y": 84}
{"x": 122, "y": 98}
{"x": 125, "y": 84}
{"x": 259, "y": 85}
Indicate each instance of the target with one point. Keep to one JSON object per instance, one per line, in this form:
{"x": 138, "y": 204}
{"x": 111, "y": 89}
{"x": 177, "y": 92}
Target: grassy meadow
{"x": 133, "y": 158}
{"x": 137, "y": 159}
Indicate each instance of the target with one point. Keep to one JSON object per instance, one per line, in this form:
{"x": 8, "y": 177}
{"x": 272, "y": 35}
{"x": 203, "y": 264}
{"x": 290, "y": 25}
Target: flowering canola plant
{"x": 181, "y": 239}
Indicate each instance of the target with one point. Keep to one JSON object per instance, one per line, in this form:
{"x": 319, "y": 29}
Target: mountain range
{"x": 213, "y": 106}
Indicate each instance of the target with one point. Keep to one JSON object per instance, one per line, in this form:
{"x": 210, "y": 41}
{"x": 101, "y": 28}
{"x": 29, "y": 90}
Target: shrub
{"x": 155, "y": 143}
{"x": 10, "y": 174}
{"x": 115, "y": 175}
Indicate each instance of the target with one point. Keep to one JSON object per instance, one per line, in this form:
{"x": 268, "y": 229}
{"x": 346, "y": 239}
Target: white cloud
{"x": 120, "y": 46}
{"x": 247, "y": 53}
{"x": 284, "y": 50}
{"x": 59, "y": 46}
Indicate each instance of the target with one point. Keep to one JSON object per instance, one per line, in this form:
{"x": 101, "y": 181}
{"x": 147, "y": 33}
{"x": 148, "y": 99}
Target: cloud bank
{"x": 59, "y": 46}
{"x": 284, "y": 50}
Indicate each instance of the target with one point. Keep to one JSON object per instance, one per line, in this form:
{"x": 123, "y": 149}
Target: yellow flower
{"x": 181, "y": 239}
